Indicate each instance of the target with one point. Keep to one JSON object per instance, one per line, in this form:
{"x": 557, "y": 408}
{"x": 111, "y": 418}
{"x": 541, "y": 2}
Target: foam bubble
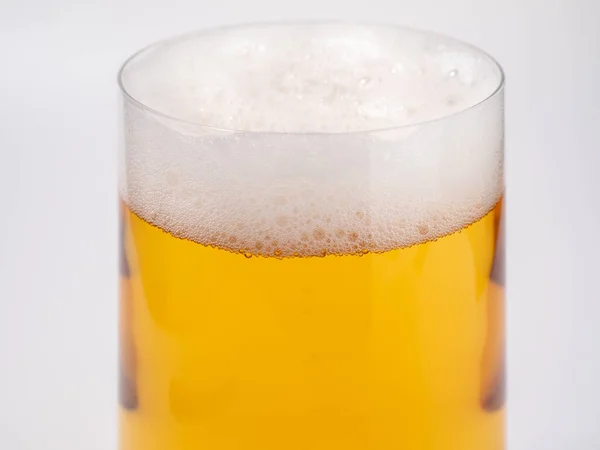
{"x": 305, "y": 176}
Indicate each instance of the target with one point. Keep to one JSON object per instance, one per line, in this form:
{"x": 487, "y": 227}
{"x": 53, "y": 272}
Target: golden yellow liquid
{"x": 397, "y": 350}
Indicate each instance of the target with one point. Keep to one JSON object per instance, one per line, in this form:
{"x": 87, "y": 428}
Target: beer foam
{"x": 312, "y": 139}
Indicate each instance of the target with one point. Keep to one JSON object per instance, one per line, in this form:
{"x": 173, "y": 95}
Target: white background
{"x": 58, "y": 201}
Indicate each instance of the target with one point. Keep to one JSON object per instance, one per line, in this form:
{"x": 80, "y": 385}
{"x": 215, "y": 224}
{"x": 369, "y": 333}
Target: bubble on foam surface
{"x": 310, "y": 78}
{"x": 279, "y": 194}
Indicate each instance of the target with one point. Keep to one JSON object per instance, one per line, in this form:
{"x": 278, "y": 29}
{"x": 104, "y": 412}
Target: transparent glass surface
{"x": 312, "y": 248}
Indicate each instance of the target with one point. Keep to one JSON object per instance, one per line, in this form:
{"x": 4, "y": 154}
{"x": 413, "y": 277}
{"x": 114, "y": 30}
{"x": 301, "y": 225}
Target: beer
{"x": 339, "y": 288}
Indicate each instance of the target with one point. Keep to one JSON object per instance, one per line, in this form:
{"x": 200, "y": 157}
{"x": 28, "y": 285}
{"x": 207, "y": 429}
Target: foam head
{"x": 312, "y": 139}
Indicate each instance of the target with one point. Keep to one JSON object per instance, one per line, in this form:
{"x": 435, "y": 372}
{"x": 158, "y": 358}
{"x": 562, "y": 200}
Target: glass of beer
{"x": 311, "y": 241}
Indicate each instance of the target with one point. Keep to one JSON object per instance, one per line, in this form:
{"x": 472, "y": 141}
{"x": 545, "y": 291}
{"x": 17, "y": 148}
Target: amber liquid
{"x": 396, "y": 350}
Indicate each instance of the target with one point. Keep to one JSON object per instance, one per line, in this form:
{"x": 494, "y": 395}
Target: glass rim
{"x": 263, "y": 24}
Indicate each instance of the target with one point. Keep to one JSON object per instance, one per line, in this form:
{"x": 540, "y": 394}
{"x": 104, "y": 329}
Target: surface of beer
{"x": 401, "y": 349}
{"x": 310, "y": 78}
{"x": 340, "y": 144}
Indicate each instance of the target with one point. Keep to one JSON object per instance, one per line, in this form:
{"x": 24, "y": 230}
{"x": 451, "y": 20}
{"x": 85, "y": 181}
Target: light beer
{"x": 330, "y": 277}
